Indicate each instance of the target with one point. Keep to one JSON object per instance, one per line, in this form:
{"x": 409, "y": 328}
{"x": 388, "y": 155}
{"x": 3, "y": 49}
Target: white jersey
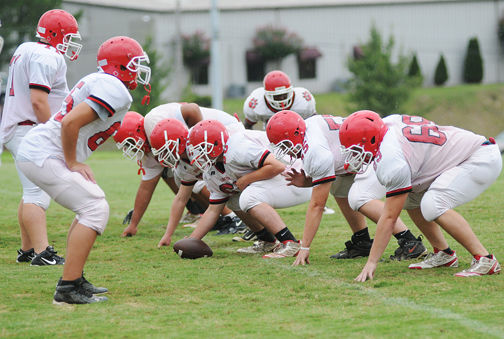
{"x": 34, "y": 65}
{"x": 245, "y": 153}
{"x": 415, "y": 151}
{"x": 256, "y": 108}
{"x": 152, "y": 167}
{"x": 105, "y": 94}
{"x": 322, "y": 159}
{"x": 172, "y": 111}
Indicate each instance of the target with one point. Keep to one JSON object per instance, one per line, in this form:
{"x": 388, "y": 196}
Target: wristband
{"x": 304, "y": 248}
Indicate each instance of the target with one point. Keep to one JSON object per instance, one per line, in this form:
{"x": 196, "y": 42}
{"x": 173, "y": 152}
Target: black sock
{"x": 489, "y": 256}
{"x": 448, "y": 251}
{"x": 362, "y": 235}
{"x": 68, "y": 282}
{"x": 265, "y": 235}
{"x": 407, "y": 235}
{"x": 285, "y": 235}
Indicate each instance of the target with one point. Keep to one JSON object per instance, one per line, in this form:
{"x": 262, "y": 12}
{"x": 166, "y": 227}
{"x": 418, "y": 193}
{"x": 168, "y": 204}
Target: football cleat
{"x": 47, "y": 257}
{"x": 437, "y": 259}
{"x": 248, "y": 235}
{"x": 483, "y": 266}
{"x": 354, "y": 249}
{"x": 409, "y": 249}
{"x": 75, "y": 294}
{"x": 259, "y": 247}
{"x": 287, "y": 248}
{"x": 328, "y": 210}
{"x": 25, "y": 256}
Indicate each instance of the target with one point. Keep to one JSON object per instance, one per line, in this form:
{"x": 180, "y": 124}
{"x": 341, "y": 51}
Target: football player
{"x": 36, "y": 87}
{"x": 239, "y": 170}
{"x": 316, "y": 142}
{"x": 277, "y": 94}
{"x": 428, "y": 170}
{"x": 133, "y": 138}
{"x": 52, "y": 155}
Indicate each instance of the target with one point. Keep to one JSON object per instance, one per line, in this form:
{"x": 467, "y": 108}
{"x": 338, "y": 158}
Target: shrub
{"x": 414, "y": 71}
{"x": 195, "y": 49}
{"x": 275, "y": 43}
{"x": 189, "y": 96}
{"x": 441, "y": 75}
{"x": 377, "y": 83}
{"x": 473, "y": 63}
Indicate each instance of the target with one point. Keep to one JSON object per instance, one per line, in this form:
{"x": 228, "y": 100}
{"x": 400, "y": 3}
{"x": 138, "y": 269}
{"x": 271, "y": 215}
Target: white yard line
{"x": 469, "y": 323}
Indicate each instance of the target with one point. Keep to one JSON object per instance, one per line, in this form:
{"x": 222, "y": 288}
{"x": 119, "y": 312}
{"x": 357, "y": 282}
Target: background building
{"x": 331, "y": 28}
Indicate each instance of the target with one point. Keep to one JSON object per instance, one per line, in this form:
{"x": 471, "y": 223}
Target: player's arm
{"x": 391, "y": 211}
{"x": 40, "y": 104}
{"x": 79, "y": 116}
{"x": 270, "y": 168}
{"x": 208, "y": 220}
{"x": 191, "y": 114}
{"x": 248, "y": 124}
{"x": 177, "y": 209}
{"x": 142, "y": 200}
{"x": 313, "y": 217}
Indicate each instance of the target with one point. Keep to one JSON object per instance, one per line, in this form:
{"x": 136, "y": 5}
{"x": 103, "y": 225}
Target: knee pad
{"x": 34, "y": 195}
{"x": 95, "y": 216}
{"x": 432, "y": 206}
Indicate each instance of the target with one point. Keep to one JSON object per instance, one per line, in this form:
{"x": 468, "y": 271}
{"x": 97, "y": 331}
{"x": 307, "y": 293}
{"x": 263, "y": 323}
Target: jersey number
{"x": 422, "y": 130}
{"x": 99, "y": 138}
{"x": 69, "y": 101}
{"x": 333, "y": 126}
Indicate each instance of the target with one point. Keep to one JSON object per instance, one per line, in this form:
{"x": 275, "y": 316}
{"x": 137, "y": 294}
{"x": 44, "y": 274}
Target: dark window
{"x": 307, "y": 68}
{"x": 255, "y": 66}
{"x": 199, "y": 74}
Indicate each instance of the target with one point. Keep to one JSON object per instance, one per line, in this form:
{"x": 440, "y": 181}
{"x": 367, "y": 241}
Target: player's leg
{"x": 455, "y": 187}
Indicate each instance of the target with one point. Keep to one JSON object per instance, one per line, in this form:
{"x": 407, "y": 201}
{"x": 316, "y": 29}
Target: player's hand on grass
{"x": 165, "y": 241}
{"x": 367, "y": 272}
{"x": 84, "y": 170}
{"x": 129, "y": 231}
{"x": 302, "y": 258}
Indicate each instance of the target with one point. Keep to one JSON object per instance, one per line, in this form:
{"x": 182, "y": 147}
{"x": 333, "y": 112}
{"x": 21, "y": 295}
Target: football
{"x": 190, "y": 248}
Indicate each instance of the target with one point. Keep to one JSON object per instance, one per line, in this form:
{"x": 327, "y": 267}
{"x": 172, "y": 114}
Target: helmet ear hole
{"x": 373, "y": 139}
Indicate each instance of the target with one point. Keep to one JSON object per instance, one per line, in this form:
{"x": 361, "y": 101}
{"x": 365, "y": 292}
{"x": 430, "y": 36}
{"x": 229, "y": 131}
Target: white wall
{"x": 428, "y": 29}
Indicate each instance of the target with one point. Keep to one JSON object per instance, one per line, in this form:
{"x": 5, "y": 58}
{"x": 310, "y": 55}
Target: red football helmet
{"x": 122, "y": 57}
{"x": 131, "y": 138}
{"x": 361, "y": 135}
{"x": 168, "y": 141}
{"x": 207, "y": 141}
{"x": 286, "y": 131}
{"x": 59, "y": 28}
{"x": 278, "y": 90}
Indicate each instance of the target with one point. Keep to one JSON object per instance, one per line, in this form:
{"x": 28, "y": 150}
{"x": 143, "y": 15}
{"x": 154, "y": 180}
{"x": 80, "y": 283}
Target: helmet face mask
{"x": 131, "y": 148}
{"x": 207, "y": 142}
{"x": 279, "y": 92}
{"x": 286, "y": 148}
{"x": 168, "y": 141}
{"x": 286, "y": 131}
{"x": 131, "y": 138}
{"x": 60, "y": 29}
{"x": 361, "y": 135}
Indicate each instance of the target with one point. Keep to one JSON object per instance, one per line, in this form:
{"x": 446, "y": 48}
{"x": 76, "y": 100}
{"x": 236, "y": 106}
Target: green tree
{"x": 414, "y": 71}
{"x": 441, "y": 75}
{"x": 473, "y": 63}
{"x": 19, "y": 22}
{"x": 377, "y": 83}
{"x": 158, "y": 81}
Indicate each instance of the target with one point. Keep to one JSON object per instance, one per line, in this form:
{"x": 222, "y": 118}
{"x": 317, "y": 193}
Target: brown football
{"x": 190, "y": 248}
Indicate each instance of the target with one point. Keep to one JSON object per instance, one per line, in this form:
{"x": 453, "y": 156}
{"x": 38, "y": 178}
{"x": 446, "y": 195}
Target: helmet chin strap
{"x": 146, "y": 98}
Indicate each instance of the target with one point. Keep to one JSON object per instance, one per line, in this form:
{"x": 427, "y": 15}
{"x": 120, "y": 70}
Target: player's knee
{"x": 96, "y": 216}
{"x": 36, "y": 196}
{"x": 432, "y": 206}
{"x": 248, "y": 201}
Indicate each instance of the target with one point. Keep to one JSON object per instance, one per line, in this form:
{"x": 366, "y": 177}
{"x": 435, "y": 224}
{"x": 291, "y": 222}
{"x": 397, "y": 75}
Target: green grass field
{"x": 154, "y": 293}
